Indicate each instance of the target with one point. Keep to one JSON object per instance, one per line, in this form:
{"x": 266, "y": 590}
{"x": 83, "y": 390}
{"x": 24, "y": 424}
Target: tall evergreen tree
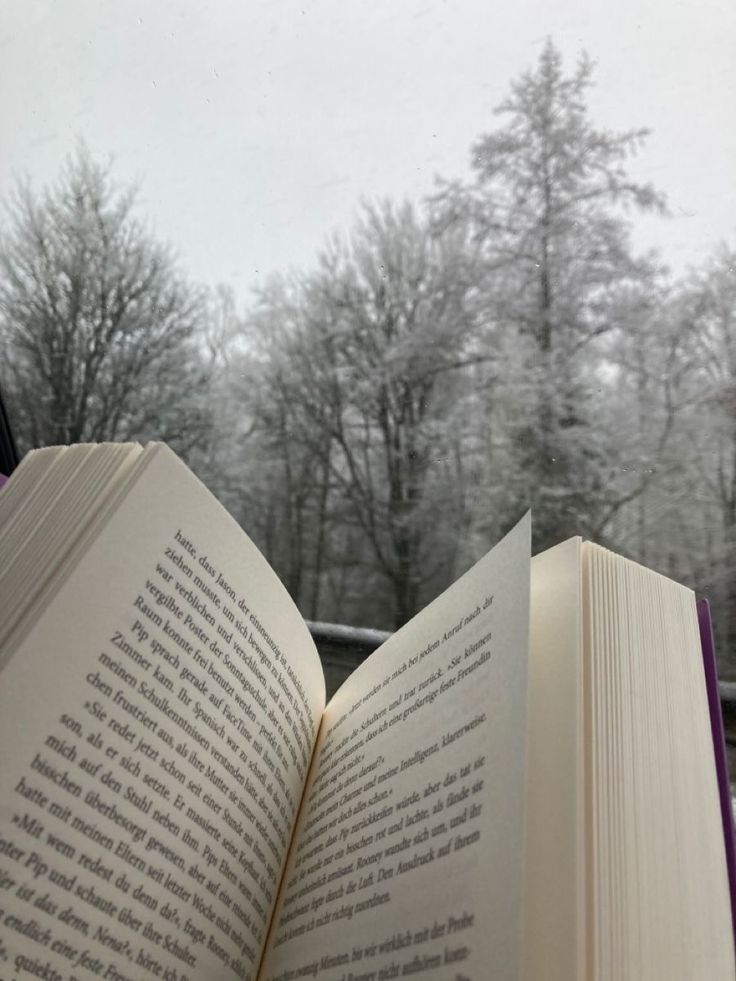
{"x": 552, "y": 242}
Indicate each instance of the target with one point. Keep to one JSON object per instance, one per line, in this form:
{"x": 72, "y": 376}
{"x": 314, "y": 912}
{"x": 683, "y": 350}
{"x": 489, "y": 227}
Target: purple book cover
{"x": 719, "y": 745}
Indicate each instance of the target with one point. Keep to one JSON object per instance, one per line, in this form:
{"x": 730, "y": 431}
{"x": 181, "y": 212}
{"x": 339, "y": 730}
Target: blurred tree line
{"x": 378, "y": 421}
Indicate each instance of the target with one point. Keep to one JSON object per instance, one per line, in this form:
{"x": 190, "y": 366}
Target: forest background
{"x": 377, "y": 420}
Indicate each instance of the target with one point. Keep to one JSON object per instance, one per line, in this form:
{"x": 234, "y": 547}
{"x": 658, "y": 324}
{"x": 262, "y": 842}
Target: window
{"x": 386, "y": 275}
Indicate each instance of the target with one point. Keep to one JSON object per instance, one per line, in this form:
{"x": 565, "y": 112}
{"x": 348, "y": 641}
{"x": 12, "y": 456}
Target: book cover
{"x": 705, "y": 626}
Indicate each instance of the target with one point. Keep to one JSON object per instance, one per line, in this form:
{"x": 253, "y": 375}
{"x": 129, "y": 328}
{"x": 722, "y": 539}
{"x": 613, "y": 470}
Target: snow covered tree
{"x": 709, "y": 312}
{"x": 99, "y": 330}
{"x": 359, "y": 390}
{"x": 545, "y": 211}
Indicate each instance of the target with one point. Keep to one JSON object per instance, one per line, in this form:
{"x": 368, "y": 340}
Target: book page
{"x": 156, "y": 727}
{"x": 408, "y": 858}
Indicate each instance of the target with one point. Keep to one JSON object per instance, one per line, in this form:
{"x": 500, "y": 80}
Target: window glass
{"x": 386, "y": 275}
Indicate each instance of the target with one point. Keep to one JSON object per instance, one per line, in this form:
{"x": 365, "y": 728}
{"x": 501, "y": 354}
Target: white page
{"x": 143, "y": 824}
{"x": 409, "y": 854}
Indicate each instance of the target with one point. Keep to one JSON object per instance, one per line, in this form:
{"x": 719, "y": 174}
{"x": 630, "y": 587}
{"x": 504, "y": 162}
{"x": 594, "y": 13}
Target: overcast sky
{"x": 254, "y": 128}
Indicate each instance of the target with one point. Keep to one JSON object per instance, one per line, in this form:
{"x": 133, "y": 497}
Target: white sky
{"x": 254, "y": 128}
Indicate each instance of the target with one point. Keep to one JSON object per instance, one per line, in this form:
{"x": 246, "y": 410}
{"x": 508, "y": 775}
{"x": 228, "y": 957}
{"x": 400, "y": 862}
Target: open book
{"x": 518, "y": 784}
